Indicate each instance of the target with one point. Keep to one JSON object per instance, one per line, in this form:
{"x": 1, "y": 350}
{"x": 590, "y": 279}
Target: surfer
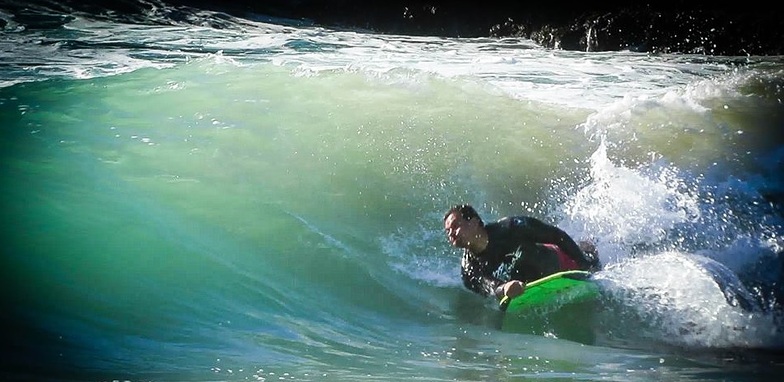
{"x": 500, "y": 257}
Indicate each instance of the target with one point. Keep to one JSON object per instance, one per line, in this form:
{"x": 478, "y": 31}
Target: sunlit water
{"x": 264, "y": 202}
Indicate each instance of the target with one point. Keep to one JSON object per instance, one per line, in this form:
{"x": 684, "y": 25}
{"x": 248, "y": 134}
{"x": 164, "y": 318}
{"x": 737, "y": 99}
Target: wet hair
{"x": 466, "y": 212}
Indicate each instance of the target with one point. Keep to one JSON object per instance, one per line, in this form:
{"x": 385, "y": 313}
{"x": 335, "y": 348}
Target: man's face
{"x": 460, "y": 232}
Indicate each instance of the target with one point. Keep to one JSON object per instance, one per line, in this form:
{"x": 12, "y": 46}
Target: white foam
{"x": 626, "y": 206}
{"x": 517, "y": 67}
{"x": 683, "y": 305}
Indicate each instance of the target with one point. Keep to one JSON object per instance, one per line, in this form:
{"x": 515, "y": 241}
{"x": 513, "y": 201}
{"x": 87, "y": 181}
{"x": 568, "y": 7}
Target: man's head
{"x": 462, "y": 225}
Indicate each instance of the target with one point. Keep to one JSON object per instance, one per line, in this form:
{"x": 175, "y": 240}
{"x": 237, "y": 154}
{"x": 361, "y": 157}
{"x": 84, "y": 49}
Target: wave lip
{"x": 655, "y": 27}
{"x": 660, "y": 27}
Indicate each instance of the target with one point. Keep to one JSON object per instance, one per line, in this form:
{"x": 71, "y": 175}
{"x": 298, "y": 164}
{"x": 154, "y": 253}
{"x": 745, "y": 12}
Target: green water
{"x": 214, "y": 221}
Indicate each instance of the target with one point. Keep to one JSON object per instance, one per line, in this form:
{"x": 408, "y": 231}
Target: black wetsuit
{"x": 517, "y": 249}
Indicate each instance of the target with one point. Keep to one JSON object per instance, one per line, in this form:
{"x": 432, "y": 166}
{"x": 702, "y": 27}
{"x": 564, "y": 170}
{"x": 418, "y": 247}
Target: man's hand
{"x": 512, "y": 289}
{"x": 507, "y": 291}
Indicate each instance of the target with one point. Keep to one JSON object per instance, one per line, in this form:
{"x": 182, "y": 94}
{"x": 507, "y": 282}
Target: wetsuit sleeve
{"x": 541, "y": 232}
{"x": 477, "y": 277}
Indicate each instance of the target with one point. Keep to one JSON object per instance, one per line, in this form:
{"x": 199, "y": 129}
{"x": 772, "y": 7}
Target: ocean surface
{"x": 264, "y": 201}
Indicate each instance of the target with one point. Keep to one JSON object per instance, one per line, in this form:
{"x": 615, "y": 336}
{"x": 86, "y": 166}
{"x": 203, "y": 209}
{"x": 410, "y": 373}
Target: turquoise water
{"x": 265, "y": 203}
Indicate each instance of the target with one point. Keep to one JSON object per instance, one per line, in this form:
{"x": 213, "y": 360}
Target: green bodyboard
{"x": 555, "y": 290}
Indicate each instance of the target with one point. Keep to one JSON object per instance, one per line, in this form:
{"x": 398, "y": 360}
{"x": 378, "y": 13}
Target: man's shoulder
{"x": 514, "y": 221}
{"x": 469, "y": 261}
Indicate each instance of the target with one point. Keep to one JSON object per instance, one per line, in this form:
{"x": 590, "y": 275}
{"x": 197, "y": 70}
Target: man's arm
{"x": 476, "y": 277}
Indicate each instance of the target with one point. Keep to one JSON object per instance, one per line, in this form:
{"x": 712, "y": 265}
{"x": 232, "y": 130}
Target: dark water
{"x": 264, "y": 202}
